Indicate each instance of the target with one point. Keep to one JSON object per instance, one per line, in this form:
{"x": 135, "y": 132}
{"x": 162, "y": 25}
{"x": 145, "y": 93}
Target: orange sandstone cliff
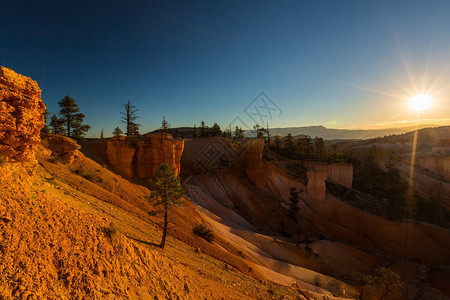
{"x": 21, "y": 117}
{"x": 141, "y": 156}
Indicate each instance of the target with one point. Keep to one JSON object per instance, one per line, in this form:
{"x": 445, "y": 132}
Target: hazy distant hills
{"x": 333, "y": 134}
{"x": 320, "y": 131}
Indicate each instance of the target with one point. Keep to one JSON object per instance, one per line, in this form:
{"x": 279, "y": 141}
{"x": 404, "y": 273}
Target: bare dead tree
{"x": 129, "y": 117}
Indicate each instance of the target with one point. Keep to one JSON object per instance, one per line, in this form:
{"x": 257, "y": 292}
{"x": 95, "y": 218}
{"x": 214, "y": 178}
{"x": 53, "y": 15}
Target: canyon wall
{"x": 339, "y": 173}
{"x": 141, "y": 156}
{"x": 316, "y": 187}
{"x": 253, "y": 154}
{"x": 21, "y": 118}
{"x": 437, "y": 165}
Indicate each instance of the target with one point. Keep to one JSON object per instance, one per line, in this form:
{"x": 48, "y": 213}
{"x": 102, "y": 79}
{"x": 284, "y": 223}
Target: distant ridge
{"x": 319, "y": 131}
{"x": 335, "y": 134}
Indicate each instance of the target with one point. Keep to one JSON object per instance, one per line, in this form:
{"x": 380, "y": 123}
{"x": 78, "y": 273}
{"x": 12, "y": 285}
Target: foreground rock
{"x": 21, "y": 118}
{"x": 62, "y": 147}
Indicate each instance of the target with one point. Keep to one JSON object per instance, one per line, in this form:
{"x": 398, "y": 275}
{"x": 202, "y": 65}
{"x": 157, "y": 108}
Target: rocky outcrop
{"x": 156, "y": 149}
{"x": 62, "y": 147}
{"x": 253, "y": 154}
{"x": 316, "y": 187}
{"x": 437, "y": 165}
{"x": 141, "y": 156}
{"x": 339, "y": 173}
{"x": 120, "y": 156}
{"x": 21, "y": 118}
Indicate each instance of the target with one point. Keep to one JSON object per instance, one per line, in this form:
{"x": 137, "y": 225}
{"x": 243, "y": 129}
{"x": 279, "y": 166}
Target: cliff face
{"x": 141, "y": 156}
{"x": 339, "y": 173}
{"x": 316, "y": 187}
{"x": 253, "y": 154}
{"x": 21, "y": 118}
{"x": 120, "y": 156}
{"x": 437, "y": 165}
{"x": 158, "y": 148}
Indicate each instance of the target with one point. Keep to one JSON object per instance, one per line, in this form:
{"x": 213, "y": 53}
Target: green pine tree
{"x": 72, "y": 118}
{"x": 57, "y": 125}
{"x": 166, "y": 195}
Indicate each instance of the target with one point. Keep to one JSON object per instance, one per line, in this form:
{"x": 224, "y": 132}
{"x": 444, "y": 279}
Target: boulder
{"x": 21, "y": 116}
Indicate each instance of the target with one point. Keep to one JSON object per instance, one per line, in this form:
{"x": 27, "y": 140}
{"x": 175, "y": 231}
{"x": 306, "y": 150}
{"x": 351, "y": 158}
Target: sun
{"x": 420, "y": 102}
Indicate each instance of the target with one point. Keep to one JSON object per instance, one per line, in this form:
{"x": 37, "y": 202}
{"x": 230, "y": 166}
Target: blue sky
{"x": 339, "y": 64}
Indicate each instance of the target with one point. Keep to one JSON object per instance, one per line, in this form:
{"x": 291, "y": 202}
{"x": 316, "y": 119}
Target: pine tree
{"x": 277, "y": 143}
{"x": 134, "y": 129}
{"x": 238, "y": 133}
{"x": 203, "y": 132}
{"x": 117, "y": 131}
{"x": 101, "y": 134}
{"x": 166, "y": 195}
{"x": 45, "y": 129}
{"x": 165, "y": 125}
{"x": 215, "y": 130}
{"x": 72, "y": 118}
{"x": 57, "y": 125}
{"x": 259, "y": 131}
{"x": 129, "y": 117}
{"x": 293, "y": 205}
{"x": 195, "y": 132}
{"x": 226, "y": 133}
{"x": 289, "y": 144}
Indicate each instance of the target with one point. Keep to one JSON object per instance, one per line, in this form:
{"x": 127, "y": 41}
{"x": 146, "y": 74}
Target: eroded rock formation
{"x": 339, "y": 173}
{"x": 437, "y": 165}
{"x": 316, "y": 187}
{"x": 21, "y": 118}
{"x": 62, "y": 147}
{"x": 141, "y": 156}
{"x": 253, "y": 154}
{"x": 120, "y": 156}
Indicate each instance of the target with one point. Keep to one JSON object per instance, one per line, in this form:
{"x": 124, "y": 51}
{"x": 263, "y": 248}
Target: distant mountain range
{"x": 318, "y": 131}
{"x": 334, "y": 134}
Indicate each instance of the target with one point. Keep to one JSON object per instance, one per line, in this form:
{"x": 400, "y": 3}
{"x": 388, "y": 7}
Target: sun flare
{"x": 420, "y": 102}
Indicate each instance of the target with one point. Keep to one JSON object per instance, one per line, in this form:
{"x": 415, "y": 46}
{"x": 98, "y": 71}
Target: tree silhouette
{"x": 72, "y": 118}
{"x": 215, "y": 130}
{"x": 45, "y": 129}
{"x": 203, "y": 130}
{"x": 117, "y": 131}
{"x": 195, "y": 132}
{"x": 165, "y": 125}
{"x": 260, "y": 131}
{"x": 101, "y": 134}
{"x": 166, "y": 195}
{"x": 57, "y": 125}
{"x": 293, "y": 205}
{"x": 128, "y": 117}
{"x": 238, "y": 133}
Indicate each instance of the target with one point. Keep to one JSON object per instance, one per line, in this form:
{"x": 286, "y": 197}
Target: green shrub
{"x": 204, "y": 232}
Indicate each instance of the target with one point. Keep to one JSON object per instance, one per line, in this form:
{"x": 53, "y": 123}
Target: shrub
{"x": 204, "y": 232}
{"x": 110, "y": 231}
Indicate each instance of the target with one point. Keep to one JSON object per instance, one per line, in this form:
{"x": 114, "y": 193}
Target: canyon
{"x": 75, "y": 219}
